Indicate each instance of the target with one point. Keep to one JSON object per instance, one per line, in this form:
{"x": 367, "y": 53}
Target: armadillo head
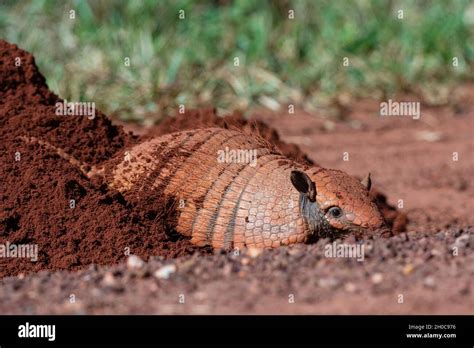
{"x": 334, "y": 203}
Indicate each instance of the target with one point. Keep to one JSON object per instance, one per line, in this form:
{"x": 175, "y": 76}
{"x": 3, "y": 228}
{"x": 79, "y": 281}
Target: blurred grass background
{"x": 190, "y": 61}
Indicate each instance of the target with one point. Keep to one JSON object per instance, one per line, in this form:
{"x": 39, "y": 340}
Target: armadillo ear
{"x": 302, "y": 182}
{"x": 367, "y": 182}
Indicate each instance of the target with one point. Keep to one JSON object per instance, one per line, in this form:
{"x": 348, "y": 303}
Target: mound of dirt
{"x": 45, "y": 201}
{"x": 37, "y": 185}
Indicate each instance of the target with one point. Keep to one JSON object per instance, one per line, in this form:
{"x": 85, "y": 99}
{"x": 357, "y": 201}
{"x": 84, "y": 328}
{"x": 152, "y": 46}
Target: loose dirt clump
{"x": 37, "y": 185}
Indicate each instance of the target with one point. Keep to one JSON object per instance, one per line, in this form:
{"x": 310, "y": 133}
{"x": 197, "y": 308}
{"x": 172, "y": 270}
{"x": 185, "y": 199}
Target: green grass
{"x": 191, "y": 61}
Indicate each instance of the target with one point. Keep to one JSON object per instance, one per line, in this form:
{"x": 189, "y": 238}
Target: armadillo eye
{"x": 335, "y": 212}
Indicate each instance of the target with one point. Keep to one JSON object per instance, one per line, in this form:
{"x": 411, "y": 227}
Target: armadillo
{"x": 225, "y": 200}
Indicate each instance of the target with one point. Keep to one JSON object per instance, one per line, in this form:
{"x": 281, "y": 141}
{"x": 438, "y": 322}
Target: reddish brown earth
{"x": 36, "y": 190}
{"x": 409, "y": 160}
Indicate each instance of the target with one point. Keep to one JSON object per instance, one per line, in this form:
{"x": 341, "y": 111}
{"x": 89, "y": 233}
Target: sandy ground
{"x": 415, "y": 274}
